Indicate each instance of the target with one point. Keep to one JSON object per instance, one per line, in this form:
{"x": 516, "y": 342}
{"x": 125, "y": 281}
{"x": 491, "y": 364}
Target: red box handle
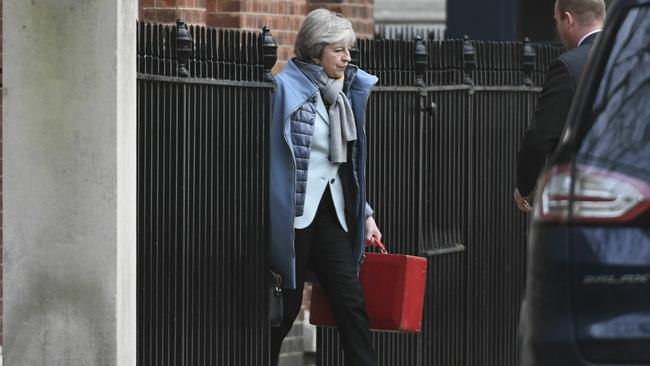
{"x": 375, "y": 243}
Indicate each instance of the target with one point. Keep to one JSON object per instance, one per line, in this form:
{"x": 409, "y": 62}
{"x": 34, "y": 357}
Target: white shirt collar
{"x": 587, "y": 35}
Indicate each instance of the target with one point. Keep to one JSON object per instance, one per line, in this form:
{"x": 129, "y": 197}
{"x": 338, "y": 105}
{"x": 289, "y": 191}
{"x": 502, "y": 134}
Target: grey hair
{"x": 320, "y": 28}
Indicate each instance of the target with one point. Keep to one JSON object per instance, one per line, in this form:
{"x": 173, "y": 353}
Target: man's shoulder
{"x": 576, "y": 55}
{"x": 575, "y": 59}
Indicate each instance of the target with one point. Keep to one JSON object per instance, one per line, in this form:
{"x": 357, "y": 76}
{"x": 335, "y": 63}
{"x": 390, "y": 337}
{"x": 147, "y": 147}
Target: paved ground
{"x": 299, "y": 347}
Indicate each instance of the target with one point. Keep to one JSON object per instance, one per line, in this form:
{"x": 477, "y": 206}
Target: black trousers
{"x": 325, "y": 248}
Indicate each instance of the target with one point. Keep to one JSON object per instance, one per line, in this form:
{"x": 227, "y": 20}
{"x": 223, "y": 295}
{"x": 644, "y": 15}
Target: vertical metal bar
{"x": 202, "y": 150}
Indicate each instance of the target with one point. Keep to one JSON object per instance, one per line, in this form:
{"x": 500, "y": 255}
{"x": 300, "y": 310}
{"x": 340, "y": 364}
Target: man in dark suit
{"x": 578, "y": 23}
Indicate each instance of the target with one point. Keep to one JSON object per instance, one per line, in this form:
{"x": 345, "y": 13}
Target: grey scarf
{"x": 342, "y": 126}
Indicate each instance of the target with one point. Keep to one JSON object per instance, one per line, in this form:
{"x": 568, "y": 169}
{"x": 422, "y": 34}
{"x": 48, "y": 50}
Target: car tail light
{"x": 599, "y": 196}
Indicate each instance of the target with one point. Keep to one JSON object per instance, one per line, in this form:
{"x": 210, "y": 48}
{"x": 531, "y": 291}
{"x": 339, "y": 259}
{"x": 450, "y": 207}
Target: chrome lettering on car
{"x": 617, "y": 279}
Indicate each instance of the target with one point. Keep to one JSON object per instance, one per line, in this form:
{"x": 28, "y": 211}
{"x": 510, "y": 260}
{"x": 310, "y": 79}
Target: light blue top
{"x": 321, "y": 173}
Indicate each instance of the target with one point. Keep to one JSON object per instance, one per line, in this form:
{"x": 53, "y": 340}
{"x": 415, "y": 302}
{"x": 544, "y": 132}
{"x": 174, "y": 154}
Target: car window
{"x": 619, "y": 138}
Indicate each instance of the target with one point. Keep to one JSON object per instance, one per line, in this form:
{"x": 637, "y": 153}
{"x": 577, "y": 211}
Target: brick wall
{"x": 167, "y": 11}
{"x": 282, "y": 16}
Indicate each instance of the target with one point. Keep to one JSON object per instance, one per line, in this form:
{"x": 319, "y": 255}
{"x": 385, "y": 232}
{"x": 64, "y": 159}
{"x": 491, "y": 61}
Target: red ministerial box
{"x": 393, "y": 286}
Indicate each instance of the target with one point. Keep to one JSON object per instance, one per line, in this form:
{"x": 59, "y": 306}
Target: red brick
{"x": 285, "y": 37}
{"x": 227, "y": 6}
{"x": 299, "y": 8}
{"x": 326, "y": 2}
{"x": 296, "y": 22}
{"x": 223, "y": 20}
{"x": 279, "y": 7}
{"x": 165, "y": 15}
{"x": 285, "y": 52}
{"x": 366, "y": 12}
{"x": 348, "y": 11}
{"x": 200, "y": 4}
{"x": 191, "y": 16}
{"x": 165, "y": 3}
{"x": 251, "y": 21}
{"x": 148, "y": 15}
{"x": 256, "y": 21}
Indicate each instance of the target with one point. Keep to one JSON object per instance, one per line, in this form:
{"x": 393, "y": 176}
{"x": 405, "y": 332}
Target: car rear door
{"x": 609, "y": 198}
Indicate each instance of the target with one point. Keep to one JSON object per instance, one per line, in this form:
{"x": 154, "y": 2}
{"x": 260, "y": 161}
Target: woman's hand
{"x": 372, "y": 231}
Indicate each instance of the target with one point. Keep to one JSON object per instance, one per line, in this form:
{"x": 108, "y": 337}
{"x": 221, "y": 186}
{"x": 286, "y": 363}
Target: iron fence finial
{"x": 420, "y": 60}
{"x": 269, "y": 53}
{"x": 184, "y": 45}
{"x": 528, "y": 60}
{"x": 469, "y": 60}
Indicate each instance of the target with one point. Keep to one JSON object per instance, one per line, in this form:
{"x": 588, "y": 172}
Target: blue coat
{"x": 294, "y": 90}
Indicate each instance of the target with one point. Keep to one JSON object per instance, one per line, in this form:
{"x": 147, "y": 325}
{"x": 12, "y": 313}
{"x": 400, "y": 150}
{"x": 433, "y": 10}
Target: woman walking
{"x": 318, "y": 213}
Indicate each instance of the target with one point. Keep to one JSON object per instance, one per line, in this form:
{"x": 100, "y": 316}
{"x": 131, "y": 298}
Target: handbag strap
{"x": 276, "y": 280}
{"x": 375, "y": 243}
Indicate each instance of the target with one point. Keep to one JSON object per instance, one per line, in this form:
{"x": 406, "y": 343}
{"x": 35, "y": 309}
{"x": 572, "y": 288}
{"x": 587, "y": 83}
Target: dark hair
{"x": 586, "y": 11}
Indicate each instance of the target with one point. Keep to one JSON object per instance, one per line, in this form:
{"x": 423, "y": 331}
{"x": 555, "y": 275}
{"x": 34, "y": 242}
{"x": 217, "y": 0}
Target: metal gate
{"x": 443, "y": 126}
{"x": 202, "y": 141}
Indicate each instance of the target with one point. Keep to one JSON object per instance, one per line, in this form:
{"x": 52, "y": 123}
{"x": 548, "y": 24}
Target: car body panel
{"x": 611, "y": 291}
{"x": 587, "y": 298}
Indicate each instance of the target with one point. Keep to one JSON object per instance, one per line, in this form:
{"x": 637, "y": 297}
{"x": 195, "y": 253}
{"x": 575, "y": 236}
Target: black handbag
{"x": 275, "y": 299}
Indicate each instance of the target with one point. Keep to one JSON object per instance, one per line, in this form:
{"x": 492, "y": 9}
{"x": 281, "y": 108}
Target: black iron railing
{"x": 443, "y": 127}
{"x": 409, "y": 32}
{"x": 202, "y": 143}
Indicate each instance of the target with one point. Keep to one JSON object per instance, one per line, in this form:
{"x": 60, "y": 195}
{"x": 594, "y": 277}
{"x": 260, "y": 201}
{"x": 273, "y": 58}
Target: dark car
{"x": 587, "y": 298}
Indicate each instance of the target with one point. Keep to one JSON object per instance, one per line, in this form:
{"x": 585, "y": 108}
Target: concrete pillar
{"x": 69, "y": 182}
